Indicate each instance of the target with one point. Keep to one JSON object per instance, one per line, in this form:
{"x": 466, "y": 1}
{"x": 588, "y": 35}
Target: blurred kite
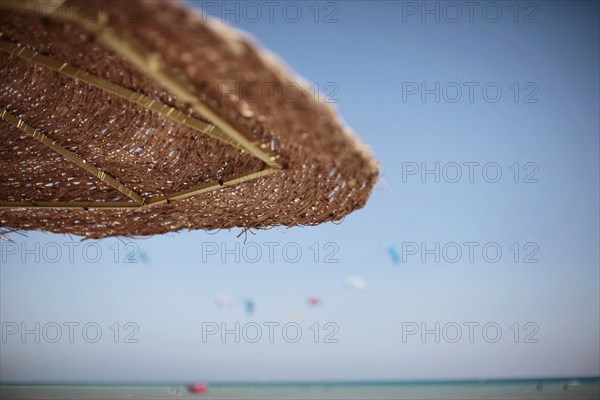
{"x": 144, "y": 257}
{"x": 249, "y": 303}
{"x": 297, "y": 316}
{"x": 355, "y": 282}
{"x": 314, "y": 301}
{"x": 394, "y": 255}
{"x": 224, "y": 300}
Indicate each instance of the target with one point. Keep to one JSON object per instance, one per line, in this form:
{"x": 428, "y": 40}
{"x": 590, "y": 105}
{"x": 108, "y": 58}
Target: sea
{"x": 566, "y": 388}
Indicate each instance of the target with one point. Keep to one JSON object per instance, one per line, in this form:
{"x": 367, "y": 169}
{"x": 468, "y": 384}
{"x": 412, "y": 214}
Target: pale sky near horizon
{"x": 375, "y": 58}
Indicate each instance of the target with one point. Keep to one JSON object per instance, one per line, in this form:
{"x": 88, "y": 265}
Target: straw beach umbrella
{"x": 144, "y": 117}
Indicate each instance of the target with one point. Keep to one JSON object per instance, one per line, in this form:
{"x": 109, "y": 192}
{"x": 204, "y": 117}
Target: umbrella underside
{"x": 147, "y": 61}
{"x": 137, "y": 98}
{"x": 125, "y": 120}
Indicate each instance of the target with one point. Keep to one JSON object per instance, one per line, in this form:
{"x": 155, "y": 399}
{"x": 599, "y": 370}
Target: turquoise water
{"x": 588, "y": 388}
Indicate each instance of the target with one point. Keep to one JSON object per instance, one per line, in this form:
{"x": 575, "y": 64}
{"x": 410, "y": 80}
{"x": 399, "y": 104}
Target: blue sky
{"x": 370, "y": 55}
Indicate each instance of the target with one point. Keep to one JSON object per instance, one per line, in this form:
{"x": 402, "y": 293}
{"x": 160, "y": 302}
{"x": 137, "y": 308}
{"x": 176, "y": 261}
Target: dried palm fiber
{"x": 127, "y": 118}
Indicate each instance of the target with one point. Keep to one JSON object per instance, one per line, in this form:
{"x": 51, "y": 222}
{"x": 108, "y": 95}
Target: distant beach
{"x": 585, "y": 388}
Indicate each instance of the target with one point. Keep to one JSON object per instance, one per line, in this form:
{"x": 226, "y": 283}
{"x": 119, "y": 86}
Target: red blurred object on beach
{"x": 198, "y": 388}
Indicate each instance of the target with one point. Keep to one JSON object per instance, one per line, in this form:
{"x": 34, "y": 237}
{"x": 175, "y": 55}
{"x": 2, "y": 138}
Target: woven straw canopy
{"x": 136, "y": 118}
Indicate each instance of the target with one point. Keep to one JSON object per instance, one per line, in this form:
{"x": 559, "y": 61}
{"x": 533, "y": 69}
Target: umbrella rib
{"x": 208, "y": 187}
{"x": 69, "y": 155}
{"x": 184, "y": 194}
{"x": 152, "y": 64}
{"x": 83, "y": 205}
{"x": 65, "y": 69}
{"x": 37, "y": 134}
